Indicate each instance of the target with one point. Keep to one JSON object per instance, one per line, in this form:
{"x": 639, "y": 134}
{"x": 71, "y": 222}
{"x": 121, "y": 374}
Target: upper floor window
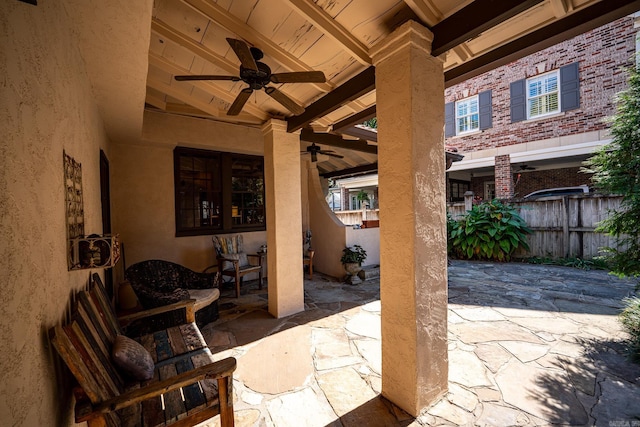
{"x": 467, "y": 115}
{"x": 218, "y": 192}
{"x": 543, "y": 95}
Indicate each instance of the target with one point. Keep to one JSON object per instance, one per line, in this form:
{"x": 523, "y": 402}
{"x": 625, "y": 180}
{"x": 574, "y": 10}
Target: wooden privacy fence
{"x": 357, "y": 216}
{"x": 563, "y": 226}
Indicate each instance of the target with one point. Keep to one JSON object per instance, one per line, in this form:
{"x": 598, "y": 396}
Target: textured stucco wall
{"x": 46, "y": 107}
{"x": 142, "y": 191}
{"x": 329, "y": 234}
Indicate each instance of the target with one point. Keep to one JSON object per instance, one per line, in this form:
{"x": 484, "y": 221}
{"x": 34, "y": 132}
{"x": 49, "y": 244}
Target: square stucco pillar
{"x": 413, "y": 245}
{"x": 284, "y": 218}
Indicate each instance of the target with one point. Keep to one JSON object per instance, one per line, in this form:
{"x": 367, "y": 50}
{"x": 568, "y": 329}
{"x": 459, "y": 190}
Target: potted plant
{"x": 352, "y": 258}
{"x": 363, "y": 198}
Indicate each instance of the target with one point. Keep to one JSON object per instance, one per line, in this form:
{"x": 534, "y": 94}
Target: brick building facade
{"x": 530, "y": 124}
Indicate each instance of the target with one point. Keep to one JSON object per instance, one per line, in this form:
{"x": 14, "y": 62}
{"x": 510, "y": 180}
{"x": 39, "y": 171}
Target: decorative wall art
{"x": 94, "y": 251}
{"x": 73, "y": 197}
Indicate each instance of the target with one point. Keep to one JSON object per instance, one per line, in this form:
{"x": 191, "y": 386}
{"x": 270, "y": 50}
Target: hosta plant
{"x": 489, "y": 231}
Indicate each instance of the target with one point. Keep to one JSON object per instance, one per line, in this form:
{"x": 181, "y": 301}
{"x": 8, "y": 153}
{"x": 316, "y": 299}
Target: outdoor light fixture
{"x": 94, "y": 251}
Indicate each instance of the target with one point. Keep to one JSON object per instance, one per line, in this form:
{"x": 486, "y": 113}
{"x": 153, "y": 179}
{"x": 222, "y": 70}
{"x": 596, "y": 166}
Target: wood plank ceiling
{"x": 334, "y": 36}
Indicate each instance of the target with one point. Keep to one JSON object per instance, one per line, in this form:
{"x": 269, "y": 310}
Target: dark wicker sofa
{"x": 158, "y": 283}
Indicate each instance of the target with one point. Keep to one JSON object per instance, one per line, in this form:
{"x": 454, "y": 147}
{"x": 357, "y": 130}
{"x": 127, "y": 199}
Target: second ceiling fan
{"x": 258, "y": 76}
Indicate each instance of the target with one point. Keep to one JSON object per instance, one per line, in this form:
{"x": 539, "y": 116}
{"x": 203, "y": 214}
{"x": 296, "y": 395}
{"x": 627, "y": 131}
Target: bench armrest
{"x": 216, "y": 370}
{"x": 187, "y": 304}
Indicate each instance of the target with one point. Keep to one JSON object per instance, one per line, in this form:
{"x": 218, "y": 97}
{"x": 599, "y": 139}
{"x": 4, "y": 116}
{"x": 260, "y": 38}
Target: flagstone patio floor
{"x": 529, "y": 345}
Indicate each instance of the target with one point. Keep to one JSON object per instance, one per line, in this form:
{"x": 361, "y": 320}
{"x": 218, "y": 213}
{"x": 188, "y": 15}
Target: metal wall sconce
{"x": 94, "y": 251}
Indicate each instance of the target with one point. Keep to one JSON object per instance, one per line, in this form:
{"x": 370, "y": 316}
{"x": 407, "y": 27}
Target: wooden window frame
{"x": 468, "y": 116}
{"x": 543, "y": 94}
{"x": 224, "y": 175}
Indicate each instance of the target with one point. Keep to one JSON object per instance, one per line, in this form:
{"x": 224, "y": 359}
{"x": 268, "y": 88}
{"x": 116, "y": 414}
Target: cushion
{"x": 132, "y": 358}
{"x": 243, "y": 261}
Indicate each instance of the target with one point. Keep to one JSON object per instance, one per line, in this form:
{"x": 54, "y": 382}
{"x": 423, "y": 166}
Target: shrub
{"x": 616, "y": 170}
{"x": 630, "y": 319}
{"x": 489, "y": 231}
{"x": 355, "y": 255}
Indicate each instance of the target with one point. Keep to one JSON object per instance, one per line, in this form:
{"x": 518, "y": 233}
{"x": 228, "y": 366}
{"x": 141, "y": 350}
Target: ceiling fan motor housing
{"x": 256, "y": 79}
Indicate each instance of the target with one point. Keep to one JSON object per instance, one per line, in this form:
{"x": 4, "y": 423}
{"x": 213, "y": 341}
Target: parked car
{"x": 559, "y": 191}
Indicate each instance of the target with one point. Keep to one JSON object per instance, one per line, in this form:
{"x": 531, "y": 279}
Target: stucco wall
{"x": 329, "y": 234}
{"x": 142, "y": 189}
{"x": 45, "y": 107}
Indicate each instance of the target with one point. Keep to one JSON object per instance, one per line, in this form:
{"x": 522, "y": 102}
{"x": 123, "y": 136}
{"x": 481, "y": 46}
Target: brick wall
{"x": 504, "y": 177}
{"x": 602, "y": 53}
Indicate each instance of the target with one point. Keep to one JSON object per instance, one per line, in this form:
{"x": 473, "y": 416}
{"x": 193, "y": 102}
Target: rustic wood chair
{"x": 233, "y": 261}
{"x": 307, "y": 259}
{"x": 187, "y": 387}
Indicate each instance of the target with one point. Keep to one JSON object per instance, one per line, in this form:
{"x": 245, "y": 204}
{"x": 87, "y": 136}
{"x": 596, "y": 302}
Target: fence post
{"x": 565, "y": 226}
{"x": 468, "y": 200}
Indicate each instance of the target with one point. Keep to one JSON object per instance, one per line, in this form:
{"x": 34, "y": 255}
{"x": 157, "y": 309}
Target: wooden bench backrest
{"x": 85, "y": 345}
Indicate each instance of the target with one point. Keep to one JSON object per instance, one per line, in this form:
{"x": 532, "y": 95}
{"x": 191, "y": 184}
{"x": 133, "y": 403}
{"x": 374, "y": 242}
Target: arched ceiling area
{"x": 189, "y": 37}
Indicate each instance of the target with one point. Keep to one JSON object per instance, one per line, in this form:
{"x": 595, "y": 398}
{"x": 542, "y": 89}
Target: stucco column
{"x": 284, "y": 218}
{"x": 413, "y": 246}
{"x": 504, "y": 178}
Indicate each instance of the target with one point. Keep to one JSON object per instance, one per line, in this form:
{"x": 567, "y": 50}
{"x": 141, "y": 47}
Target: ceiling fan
{"x": 524, "y": 167}
{"x": 315, "y": 149}
{"x": 258, "y": 75}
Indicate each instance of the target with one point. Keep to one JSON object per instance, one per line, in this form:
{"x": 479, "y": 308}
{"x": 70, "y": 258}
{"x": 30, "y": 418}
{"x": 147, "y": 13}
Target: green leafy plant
{"x": 630, "y": 319}
{"x": 489, "y": 231}
{"x": 362, "y": 196}
{"x": 616, "y": 170}
{"x": 355, "y": 254}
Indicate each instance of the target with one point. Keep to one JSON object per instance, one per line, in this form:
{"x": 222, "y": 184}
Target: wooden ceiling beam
{"x": 193, "y": 46}
{"x": 358, "y": 170}
{"x": 353, "y": 88}
{"x": 426, "y": 11}
{"x": 337, "y": 141}
{"x": 356, "y": 119}
{"x": 222, "y": 17}
{"x": 473, "y": 19}
{"x": 331, "y": 28}
{"x": 200, "y": 105}
{"x": 561, "y": 30}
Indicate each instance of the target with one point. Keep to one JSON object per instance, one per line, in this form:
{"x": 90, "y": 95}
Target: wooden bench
{"x": 188, "y": 386}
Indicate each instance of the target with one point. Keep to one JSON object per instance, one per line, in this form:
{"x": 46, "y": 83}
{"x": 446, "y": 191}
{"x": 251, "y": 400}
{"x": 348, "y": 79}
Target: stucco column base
{"x": 284, "y": 218}
{"x": 413, "y": 246}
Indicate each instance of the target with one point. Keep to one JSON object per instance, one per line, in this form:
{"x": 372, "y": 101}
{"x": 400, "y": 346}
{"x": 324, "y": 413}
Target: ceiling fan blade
{"x": 283, "y": 99}
{"x": 299, "y": 77}
{"x": 243, "y": 53}
{"x": 239, "y": 102}
{"x": 332, "y": 154}
{"x": 206, "y": 77}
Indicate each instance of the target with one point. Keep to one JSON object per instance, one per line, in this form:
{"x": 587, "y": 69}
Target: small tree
{"x": 616, "y": 170}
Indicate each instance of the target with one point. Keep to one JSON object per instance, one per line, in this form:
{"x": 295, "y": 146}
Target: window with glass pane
{"x": 247, "y": 197}
{"x": 217, "y": 192}
{"x": 543, "y": 95}
{"x": 467, "y": 115}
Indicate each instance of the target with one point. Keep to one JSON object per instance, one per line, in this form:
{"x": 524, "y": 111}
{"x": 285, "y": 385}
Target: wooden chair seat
{"x": 232, "y": 260}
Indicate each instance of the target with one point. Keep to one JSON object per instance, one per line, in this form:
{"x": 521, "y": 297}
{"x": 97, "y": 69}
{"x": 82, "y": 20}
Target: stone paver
{"x": 529, "y": 345}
